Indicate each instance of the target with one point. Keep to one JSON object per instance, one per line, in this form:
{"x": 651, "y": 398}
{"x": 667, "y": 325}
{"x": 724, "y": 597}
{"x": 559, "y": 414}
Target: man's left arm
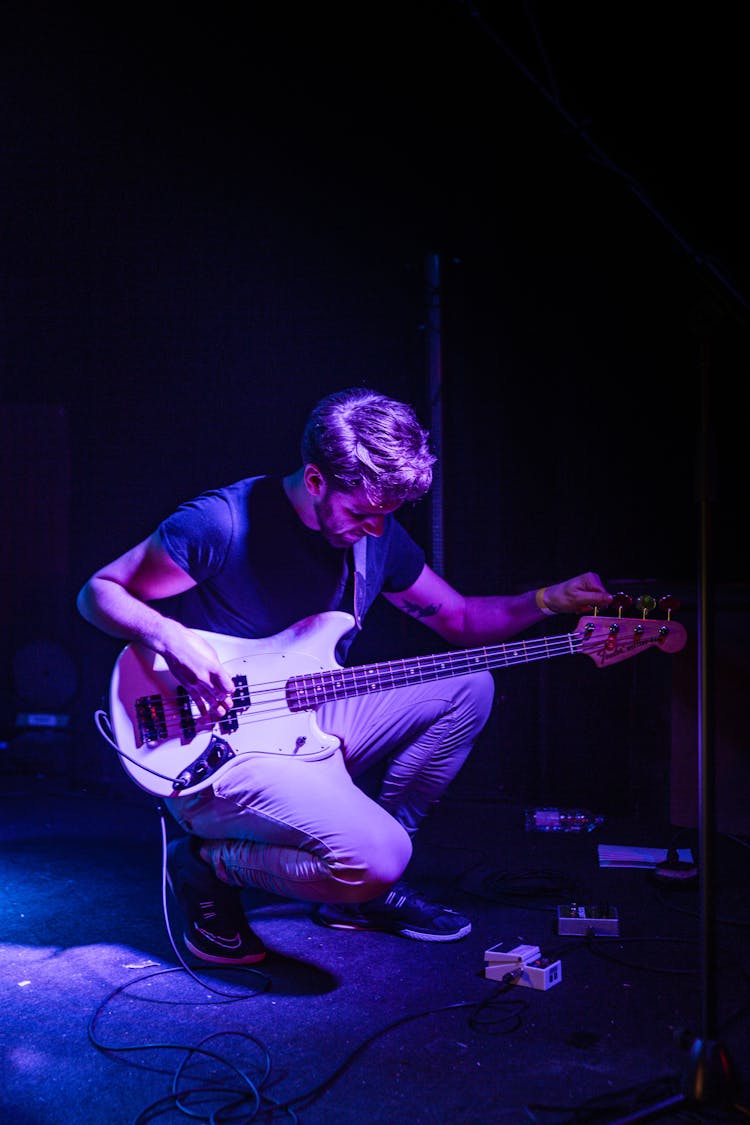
{"x": 466, "y": 620}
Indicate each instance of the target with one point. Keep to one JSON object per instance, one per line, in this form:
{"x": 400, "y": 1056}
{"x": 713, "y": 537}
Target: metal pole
{"x": 433, "y": 343}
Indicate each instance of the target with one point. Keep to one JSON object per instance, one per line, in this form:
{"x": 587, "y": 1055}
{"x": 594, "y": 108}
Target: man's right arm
{"x": 115, "y": 599}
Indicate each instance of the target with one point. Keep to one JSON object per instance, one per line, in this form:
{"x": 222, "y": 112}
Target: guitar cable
{"x": 104, "y": 726}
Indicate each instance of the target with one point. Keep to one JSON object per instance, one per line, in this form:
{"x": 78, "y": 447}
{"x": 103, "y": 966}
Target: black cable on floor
{"x": 250, "y": 1099}
{"x": 508, "y": 887}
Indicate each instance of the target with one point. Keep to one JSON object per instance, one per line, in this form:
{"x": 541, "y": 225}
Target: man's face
{"x": 344, "y": 517}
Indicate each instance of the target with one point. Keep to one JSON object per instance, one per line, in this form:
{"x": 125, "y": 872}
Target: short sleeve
{"x": 406, "y": 560}
{"x": 198, "y": 535}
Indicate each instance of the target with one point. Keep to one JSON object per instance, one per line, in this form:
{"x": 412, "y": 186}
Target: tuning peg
{"x": 621, "y": 601}
{"x": 667, "y": 604}
{"x": 645, "y": 604}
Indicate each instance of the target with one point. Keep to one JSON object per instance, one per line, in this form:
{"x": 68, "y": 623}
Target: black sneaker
{"x": 399, "y": 911}
{"x": 216, "y": 929}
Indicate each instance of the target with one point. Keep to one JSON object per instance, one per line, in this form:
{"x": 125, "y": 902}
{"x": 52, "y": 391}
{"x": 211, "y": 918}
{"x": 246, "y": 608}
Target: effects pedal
{"x": 524, "y": 966}
{"x": 584, "y": 920}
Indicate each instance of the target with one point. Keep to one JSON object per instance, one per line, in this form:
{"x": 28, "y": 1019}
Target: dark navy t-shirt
{"x": 259, "y": 569}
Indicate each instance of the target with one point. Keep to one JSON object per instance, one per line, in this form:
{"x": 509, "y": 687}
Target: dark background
{"x": 212, "y": 216}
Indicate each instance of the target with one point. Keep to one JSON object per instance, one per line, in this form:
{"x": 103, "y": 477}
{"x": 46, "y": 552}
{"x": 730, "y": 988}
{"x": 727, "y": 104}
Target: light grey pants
{"x": 303, "y": 829}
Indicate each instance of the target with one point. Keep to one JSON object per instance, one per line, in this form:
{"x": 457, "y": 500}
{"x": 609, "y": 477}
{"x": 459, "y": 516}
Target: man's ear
{"x": 314, "y": 481}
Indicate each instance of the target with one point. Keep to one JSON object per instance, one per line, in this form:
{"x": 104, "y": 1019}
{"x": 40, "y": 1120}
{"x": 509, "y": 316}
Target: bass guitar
{"x": 170, "y": 749}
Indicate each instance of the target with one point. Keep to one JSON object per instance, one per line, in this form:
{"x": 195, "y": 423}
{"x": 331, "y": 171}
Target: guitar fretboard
{"x": 306, "y": 692}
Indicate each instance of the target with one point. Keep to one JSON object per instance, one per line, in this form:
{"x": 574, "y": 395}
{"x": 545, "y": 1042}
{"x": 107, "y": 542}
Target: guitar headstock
{"x": 610, "y": 638}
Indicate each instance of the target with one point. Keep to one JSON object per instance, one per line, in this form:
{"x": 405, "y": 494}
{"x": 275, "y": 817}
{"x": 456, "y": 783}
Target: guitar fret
{"x": 309, "y": 691}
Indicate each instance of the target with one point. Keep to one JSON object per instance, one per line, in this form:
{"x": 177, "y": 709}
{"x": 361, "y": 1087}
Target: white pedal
{"x": 524, "y": 965}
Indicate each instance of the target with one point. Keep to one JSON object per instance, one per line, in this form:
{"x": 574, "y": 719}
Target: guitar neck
{"x": 311, "y": 690}
{"x": 606, "y": 640}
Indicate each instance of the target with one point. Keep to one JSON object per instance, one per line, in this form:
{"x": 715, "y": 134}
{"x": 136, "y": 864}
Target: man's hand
{"x": 195, "y": 664}
{"x": 577, "y": 595}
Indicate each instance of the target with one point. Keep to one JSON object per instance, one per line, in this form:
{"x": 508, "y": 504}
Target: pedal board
{"x": 584, "y": 920}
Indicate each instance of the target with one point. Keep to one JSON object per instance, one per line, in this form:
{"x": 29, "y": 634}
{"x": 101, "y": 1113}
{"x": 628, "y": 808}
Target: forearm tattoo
{"x": 419, "y": 610}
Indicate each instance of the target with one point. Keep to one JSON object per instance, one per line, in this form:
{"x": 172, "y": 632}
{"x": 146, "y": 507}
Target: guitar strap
{"x": 359, "y": 552}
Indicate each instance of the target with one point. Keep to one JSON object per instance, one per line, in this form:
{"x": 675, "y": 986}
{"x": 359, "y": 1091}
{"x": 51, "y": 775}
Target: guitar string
{"x": 276, "y": 694}
{"x": 522, "y": 652}
{"x": 272, "y": 699}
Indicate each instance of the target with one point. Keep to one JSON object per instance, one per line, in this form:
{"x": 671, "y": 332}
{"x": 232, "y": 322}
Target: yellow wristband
{"x": 539, "y": 599}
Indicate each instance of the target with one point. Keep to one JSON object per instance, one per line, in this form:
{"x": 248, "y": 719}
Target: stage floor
{"x": 102, "y": 1023}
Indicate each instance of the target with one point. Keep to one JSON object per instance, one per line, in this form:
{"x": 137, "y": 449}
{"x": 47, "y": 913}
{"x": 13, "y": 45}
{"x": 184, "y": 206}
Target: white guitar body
{"x": 170, "y": 749}
{"x": 269, "y": 725}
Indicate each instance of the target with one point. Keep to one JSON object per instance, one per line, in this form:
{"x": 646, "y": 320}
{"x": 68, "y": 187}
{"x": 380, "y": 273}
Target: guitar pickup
{"x": 185, "y": 712}
{"x": 150, "y": 718}
{"x": 240, "y": 699}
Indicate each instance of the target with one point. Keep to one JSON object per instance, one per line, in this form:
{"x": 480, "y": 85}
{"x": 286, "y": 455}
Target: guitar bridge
{"x": 216, "y": 754}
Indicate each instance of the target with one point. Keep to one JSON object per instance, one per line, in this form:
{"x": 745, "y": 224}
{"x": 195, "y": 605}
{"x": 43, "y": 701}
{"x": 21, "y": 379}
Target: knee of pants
{"x": 475, "y": 694}
{"x": 383, "y": 862}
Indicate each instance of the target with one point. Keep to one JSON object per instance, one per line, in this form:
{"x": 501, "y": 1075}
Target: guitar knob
{"x": 645, "y": 604}
{"x": 667, "y": 604}
{"x": 621, "y": 601}
{"x": 610, "y": 641}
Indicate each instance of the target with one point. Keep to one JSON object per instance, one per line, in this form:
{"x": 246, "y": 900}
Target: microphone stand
{"x": 711, "y": 1079}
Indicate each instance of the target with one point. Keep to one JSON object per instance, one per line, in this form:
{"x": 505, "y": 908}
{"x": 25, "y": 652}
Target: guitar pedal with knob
{"x": 588, "y": 920}
{"x": 525, "y": 966}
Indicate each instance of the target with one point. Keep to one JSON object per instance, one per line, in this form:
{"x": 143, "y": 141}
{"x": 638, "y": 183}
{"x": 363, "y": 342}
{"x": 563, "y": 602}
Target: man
{"x": 252, "y": 559}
